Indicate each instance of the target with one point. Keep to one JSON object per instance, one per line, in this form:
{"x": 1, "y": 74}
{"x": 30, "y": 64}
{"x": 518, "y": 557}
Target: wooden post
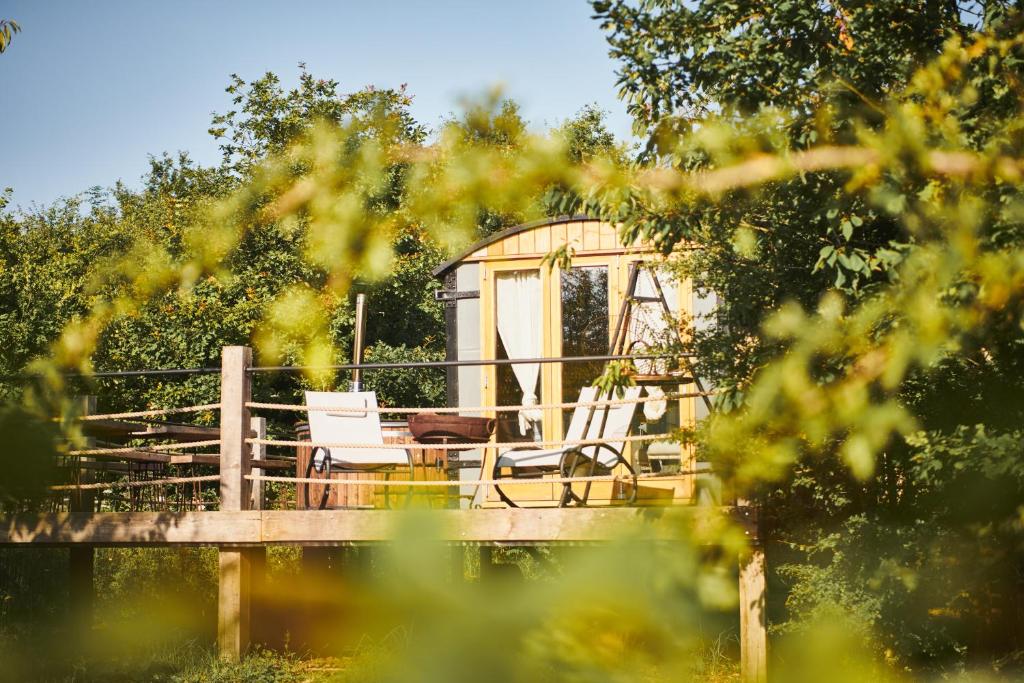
{"x": 259, "y": 630}
{"x": 235, "y": 454}
{"x": 81, "y": 568}
{"x": 752, "y": 589}
{"x": 486, "y": 554}
{"x": 233, "y": 609}
{"x": 81, "y": 558}
{"x": 258, "y": 426}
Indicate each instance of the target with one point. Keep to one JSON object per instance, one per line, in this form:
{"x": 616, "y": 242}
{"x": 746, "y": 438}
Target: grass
{"x": 197, "y": 662}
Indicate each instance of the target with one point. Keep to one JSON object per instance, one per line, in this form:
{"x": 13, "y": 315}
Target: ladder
{"x": 626, "y": 312}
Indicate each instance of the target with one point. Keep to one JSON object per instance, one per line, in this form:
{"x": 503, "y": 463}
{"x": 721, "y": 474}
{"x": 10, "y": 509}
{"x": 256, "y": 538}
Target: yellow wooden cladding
{"x": 585, "y": 238}
{"x": 594, "y": 243}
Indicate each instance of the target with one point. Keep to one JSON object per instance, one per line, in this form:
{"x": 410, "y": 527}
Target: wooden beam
{"x": 233, "y": 603}
{"x": 235, "y": 584}
{"x": 258, "y": 453}
{"x": 113, "y": 466}
{"x": 273, "y": 464}
{"x": 82, "y": 559}
{"x": 195, "y": 459}
{"x": 258, "y": 556}
{"x": 340, "y": 527}
{"x": 132, "y": 528}
{"x": 110, "y": 429}
{"x": 81, "y": 570}
{"x": 135, "y": 456}
{"x": 752, "y": 589}
{"x": 753, "y": 627}
{"x": 176, "y": 432}
{"x": 521, "y": 525}
{"x": 235, "y": 454}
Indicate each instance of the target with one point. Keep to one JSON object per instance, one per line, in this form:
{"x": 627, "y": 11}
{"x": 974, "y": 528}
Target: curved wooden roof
{"x": 599, "y": 236}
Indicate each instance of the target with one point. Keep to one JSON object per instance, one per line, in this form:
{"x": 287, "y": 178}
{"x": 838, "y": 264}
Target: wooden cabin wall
{"x": 592, "y": 243}
{"x": 468, "y": 347}
{"x": 585, "y": 237}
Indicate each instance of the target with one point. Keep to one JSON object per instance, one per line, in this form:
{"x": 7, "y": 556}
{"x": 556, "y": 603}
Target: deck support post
{"x": 486, "y": 554}
{"x": 81, "y": 567}
{"x": 258, "y": 427}
{"x": 752, "y": 593}
{"x": 233, "y": 604}
{"x": 259, "y": 631}
{"x": 82, "y": 558}
{"x": 235, "y": 566}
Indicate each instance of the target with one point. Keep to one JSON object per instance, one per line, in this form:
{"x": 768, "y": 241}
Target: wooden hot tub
{"x": 429, "y": 464}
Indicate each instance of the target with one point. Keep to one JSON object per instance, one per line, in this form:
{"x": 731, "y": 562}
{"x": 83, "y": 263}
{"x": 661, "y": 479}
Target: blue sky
{"x": 90, "y": 89}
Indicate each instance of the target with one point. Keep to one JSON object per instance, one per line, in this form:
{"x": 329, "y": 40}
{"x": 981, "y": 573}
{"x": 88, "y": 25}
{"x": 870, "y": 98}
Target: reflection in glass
{"x": 584, "y": 328}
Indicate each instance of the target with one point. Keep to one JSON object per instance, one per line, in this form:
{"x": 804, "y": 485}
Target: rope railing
{"x": 472, "y": 409}
{"x": 132, "y": 484}
{"x": 362, "y": 482}
{"x": 470, "y": 482}
{"x": 151, "y": 413}
{"x": 255, "y": 405}
{"x": 407, "y": 365}
{"x": 461, "y": 446}
{"x": 135, "y": 449}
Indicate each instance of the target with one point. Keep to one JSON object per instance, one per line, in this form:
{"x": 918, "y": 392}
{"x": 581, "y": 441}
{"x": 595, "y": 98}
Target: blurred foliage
{"x": 853, "y": 179}
{"x": 399, "y": 612}
{"x": 107, "y": 250}
{"x": 851, "y": 175}
{"x": 28, "y": 459}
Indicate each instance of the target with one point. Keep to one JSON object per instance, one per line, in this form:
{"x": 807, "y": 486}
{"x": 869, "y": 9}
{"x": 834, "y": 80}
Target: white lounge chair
{"x": 356, "y": 422}
{"x": 610, "y": 424}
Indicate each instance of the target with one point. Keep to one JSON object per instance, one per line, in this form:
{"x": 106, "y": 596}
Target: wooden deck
{"x": 342, "y": 527}
{"x": 241, "y": 530}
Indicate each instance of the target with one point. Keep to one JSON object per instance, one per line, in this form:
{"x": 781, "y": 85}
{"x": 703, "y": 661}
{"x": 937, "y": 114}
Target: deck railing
{"x": 146, "y": 466}
{"x": 241, "y": 527}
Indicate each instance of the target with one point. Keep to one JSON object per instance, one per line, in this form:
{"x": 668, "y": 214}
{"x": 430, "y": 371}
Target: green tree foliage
{"x": 267, "y": 118}
{"x": 855, "y": 302}
{"x": 855, "y": 189}
{"x": 53, "y": 257}
{"x": 497, "y": 124}
{"x": 62, "y": 260}
{"x": 588, "y": 138}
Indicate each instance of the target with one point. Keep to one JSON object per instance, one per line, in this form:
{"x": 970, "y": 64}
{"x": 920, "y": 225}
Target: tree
{"x": 165, "y": 224}
{"x": 268, "y": 119}
{"x": 587, "y": 136}
{"x": 497, "y": 124}
{"x": 856, "y": 517}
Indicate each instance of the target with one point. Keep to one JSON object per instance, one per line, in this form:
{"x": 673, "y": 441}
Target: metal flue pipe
{"x": 357, "y": 344}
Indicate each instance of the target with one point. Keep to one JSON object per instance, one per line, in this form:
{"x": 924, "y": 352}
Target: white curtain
{"x": 657, "y": 406}
{"x": 519, "y": 325}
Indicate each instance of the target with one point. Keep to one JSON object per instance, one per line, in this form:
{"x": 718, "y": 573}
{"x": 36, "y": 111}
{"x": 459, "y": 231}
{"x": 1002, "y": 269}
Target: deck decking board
{"x": 340, "y": 527}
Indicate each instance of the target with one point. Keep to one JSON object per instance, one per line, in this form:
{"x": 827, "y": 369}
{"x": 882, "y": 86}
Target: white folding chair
{"x": 356, "y": 422}
{"x": 609, "y": 424}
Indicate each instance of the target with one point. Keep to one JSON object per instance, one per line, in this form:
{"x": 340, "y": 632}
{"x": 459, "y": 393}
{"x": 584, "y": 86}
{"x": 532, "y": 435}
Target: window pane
{"x": 584, "y": 328}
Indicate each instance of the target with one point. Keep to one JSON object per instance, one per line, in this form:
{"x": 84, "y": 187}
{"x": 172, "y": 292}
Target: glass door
{"x": 515, "y": 308}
